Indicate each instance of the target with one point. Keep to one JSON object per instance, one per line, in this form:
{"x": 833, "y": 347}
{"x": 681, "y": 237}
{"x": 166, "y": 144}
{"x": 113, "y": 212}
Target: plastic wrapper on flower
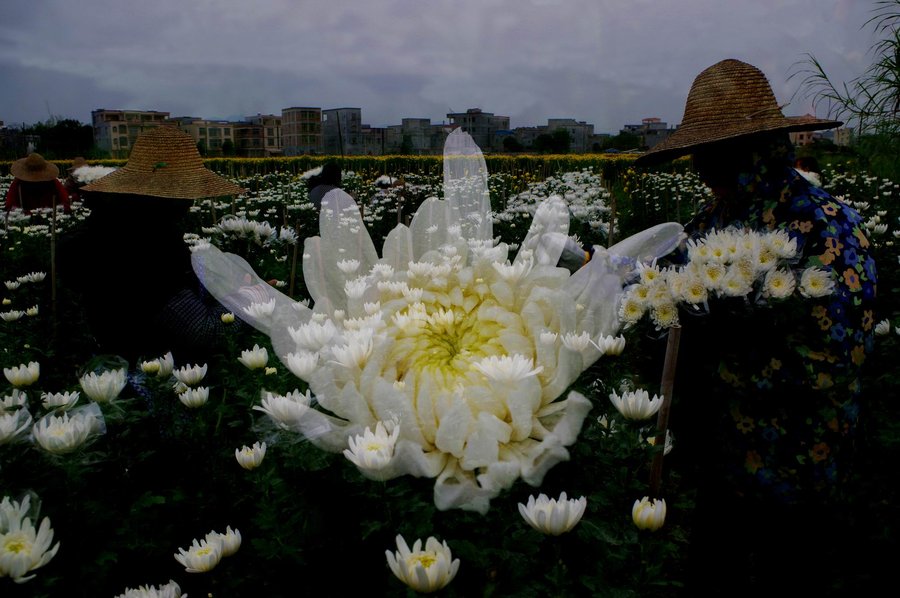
{"x": 442, "y": 333}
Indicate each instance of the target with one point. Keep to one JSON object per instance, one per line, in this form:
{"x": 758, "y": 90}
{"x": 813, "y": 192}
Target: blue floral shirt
{"x": 790, "y": 371}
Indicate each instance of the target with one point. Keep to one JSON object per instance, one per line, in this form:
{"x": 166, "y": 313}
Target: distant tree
{"x": 201, "y": 147}
{"x": 406, "y": 146}
{"x": 869, "y": 103}
{"x": 228, "y": 148}
{"x": 561, "y": 141}
{"x": 62, "y": 138}
{"x": 511, "y": 144}
{"x": 543, "y": 143}
{"x": 622, "y": 141}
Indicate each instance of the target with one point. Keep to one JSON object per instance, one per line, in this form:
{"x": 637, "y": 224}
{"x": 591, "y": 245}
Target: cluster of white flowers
{"x": 22, "y": 547}
{"x": 63, "y": 429}
{"x": 169, "y": 590}
{"x": 726, "y": 263}
{"x": 89, "y": 174}
{"x": 203, "y": 555}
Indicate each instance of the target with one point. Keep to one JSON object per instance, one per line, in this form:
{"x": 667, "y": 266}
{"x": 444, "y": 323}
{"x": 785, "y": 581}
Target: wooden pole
{"x": 662, "y": 417}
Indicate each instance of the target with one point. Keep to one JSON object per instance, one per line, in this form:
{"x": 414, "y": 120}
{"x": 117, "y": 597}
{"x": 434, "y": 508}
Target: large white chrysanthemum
{"x": 443, "y": 333}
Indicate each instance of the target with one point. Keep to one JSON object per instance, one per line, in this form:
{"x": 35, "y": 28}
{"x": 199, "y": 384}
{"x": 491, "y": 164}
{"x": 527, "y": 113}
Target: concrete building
{"x": 416, "y": 136}
{"x": 481, "y": 126}
{"x": 342, "y": 131}
{"x": 269, "y": 131}
{"x": 373, "y": 140}
{"x": 210, "y": 135}
{"x": 301, "y": 130}
{"x": 651, "y": 131}
{"x": 580, "y": 133}
{"x": 115, "y": 131}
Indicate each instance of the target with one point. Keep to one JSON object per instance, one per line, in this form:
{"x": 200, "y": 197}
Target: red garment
{"x": 36, "y": 195}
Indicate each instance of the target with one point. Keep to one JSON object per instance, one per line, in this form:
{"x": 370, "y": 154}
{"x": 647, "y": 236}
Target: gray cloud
{"x": 604, "y": 61}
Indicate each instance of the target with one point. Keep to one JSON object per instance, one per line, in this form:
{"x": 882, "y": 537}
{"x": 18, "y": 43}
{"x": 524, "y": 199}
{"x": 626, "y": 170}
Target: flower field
{"x": 256, "y": 474}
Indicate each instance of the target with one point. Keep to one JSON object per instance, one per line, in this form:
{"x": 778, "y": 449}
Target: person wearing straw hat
{"x": 36, "y": 185}
{"x": 129, "y": 262}
{"x": 773, "y": 393}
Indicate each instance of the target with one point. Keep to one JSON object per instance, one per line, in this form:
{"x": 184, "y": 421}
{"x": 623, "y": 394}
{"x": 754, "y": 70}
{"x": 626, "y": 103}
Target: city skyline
{"x": 598, "y": 61}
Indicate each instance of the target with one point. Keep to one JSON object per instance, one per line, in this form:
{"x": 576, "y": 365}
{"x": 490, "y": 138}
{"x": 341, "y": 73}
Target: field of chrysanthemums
{"x": 115, "y": 475}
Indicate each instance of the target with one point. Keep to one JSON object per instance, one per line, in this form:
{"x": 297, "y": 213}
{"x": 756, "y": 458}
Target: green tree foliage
{"x": 870, "y": 103}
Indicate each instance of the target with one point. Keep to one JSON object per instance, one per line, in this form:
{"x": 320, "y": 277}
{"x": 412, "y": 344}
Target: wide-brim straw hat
{"x": 727, "y": 100}
{"x": 165, "y": 163}
{"x": 34, "y": 169}
{"x": 77, "y": 163}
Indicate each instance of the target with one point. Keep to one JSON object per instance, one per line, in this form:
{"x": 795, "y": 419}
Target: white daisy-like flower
{"x": 189, "y": 375}
{"x": 883, "y": 327}
{"x": 59, "y": 400}
{"x": 230, "y": 540}
{"x": 255, "y": 358}
{"x": 260, "y": 309}
{"x": 636, "y": 404}
{"x": 250, "y": 457}
{"x": 302, "y": 363}
{"x": 419, "y": 361}
{"x": 815, "y": 282}
{"x": 507, "y": 368}
{"x": 424, "y": 571}
{"x": 14, "y": 425}
{"x": 169, "y": 590}
{"x": 649, "y": 515}
{"x": 11, "y": 315}
{"x": 286, "y": 410}
{"x": 779, "y": 283}
{"x": 23, "y": 375}
{"x": 194, "y": 397}
{"x": 373, "y": 451}
{"x": 201, "y": 556}
{"x": 553, "y": 516}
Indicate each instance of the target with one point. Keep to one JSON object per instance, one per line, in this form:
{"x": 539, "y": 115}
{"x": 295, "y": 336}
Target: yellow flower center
{"x": 448, "y": 341}
{"x": 16, "y": 545}
{"x": 423, "y": 558}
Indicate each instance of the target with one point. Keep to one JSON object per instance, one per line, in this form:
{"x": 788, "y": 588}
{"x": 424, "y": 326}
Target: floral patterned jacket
{"x": 788, "y": 373}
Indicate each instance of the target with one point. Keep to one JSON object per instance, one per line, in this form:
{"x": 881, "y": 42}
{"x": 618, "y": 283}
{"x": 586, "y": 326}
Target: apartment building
{"x": 115, "y": 131}
{"x": 651, "y": 131}
{"x": 342, "y": 131}
{"x": 481, "y": 126}
{"x": 301, "y": 131}
{"x": 258, "y": 136}
{"x": 210, "y": 135}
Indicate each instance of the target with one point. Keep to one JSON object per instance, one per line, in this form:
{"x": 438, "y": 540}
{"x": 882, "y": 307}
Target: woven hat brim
{"x": 196, "y": 185}
{"x": 687, "y": 138}
{"x": 20, "y": 171}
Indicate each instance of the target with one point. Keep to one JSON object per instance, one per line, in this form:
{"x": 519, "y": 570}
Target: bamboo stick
{"x": 662, "y": 418}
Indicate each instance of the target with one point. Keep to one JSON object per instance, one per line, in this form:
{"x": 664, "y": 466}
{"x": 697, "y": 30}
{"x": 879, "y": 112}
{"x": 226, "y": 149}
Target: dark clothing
{"x": 769, "y": 394}
{"x": 318, "y": 192}
{"x": 131, "y": 268}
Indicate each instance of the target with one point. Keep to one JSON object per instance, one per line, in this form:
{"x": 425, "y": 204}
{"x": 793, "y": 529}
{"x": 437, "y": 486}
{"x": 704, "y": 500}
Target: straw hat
{"x": 77, "y": 163}
{"x": 729, "y": 99}
{"x": 165, "y": 163}
{"x": 34, "y": 169}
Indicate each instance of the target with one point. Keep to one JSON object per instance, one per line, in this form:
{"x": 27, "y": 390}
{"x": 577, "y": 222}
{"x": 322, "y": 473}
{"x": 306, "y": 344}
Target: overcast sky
{"x": 607, "y": 62}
